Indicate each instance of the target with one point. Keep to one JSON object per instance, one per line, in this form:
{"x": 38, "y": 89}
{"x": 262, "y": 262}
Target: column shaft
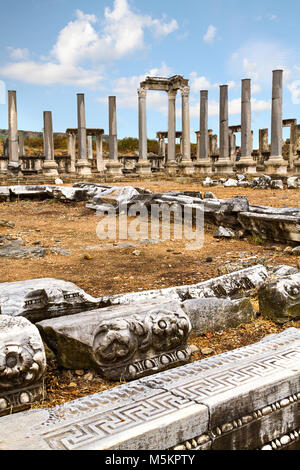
{"x": 224, "y": 140}
{"x": 113, "y": 142}
{"x": 276, "y": 130}
{"x": 48, "y": 136}
{"x": 13, "y": 151}
{"x": 142, "y": 125}
{"x": 246, "y": 137}
{"x": 203, "y": 124}
{"x": 172, "y": 126}
{"x": 186, "y": 130}
{"x": 81, "y": 127}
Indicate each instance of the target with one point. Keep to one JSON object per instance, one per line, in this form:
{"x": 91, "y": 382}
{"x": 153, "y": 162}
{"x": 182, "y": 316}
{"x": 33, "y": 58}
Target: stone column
{"x": 246, "y": 164}
{"x": 203, "y": 165}
{"x": 13, "y": 151}
{"x": 72, "y": 151}
{"x": 113, "y": 166}
{"x": 276, "y": 165}
{"x": 90, "y": 147}
{"x": 143, "y": 167}
{"x": 186, "y": 165}
{"x": 198, "y": 144}
{"x": 224, "y": 165}
{"x": 49, "y": 166}
{"x": 21, "y": 144}
{"x": 83, "y": 166}
{"x": 99, "y": 153}
{"x": 297, "y": 150}
{"x": 171, "y": 165}
{"x": 264, "y": 140}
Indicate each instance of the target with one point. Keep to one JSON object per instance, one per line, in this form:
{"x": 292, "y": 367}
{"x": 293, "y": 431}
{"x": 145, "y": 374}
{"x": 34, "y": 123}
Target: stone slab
{"x": 39, "y": 299}
{"x": 246, "y": 398}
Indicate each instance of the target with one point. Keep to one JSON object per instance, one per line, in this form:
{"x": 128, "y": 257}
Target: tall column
{"x": 143, "y": 166}
{"x": 186, "y": 165}
{"x": 224, "y": 164}
{"x": 113, "y": 166}
{"x": 90, "y": 147}
{"x": 99, "y": 153}
{"x": 83, "y": 166}
{"x": 13, "y": 150}
{"x": 171, "y": 165}
{"x": 276, "y": 164}
{"x": 72, "y": 151}
{"x": 198, "y": 144}
{"x": 49, "y": 166}
{"x": 246, "y": 164}
{"x": 21, "y": 144}
{"x": 203, "y": 166}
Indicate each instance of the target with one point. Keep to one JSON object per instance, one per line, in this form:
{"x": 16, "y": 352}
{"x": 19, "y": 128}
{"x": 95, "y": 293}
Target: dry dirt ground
{"x": 112, "y": 270}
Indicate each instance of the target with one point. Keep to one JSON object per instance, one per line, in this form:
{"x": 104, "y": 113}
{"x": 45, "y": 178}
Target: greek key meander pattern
{"x": 197, "y": 442}
{"x": 103, "y": 424}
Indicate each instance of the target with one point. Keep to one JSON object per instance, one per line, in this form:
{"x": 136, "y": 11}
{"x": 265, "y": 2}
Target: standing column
{"x": 99, "y": 153}
{"x": 203, "y": 165}
{"x": 276, "y": 164}
{"x": 90, "y": 147}
{"x": 142, "y": 166}
{"x": 171, "y": 165}
{"x": 246, "y": 164}
{"x": 113, "y": 166}
{"x": 49, "y": 166}
{"x": 13, "y": 151}
{"x": 224, "y": 164}
{"x": 72, "y": 151}
{"x": 198, "y": 144}
{"x": 21, "y": 144}
{"x": 83, "y": 165}
{"x": 186, "y": 166}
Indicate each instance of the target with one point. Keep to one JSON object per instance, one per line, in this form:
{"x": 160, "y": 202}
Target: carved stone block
{"x": 22, "y": 364}
{"x": 123, "y": 343}
{"x": 279, "y": 299}
{"x": 38, "y": 299}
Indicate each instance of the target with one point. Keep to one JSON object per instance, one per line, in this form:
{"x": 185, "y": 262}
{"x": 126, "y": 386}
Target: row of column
{"x": 275, "y": 164}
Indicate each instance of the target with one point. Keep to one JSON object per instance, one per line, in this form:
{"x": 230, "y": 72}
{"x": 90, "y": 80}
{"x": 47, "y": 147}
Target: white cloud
{"x": 18, "y": 54}
{"x": 294, "y": 88}
{"x": 125, "y": 88}
{"x": 87, "y": 40}
{"x": 272, "y": 17}
{"x": 210, "y": 34}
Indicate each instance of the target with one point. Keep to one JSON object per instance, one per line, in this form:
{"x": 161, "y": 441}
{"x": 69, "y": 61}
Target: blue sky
{"x": 53, "y": 49}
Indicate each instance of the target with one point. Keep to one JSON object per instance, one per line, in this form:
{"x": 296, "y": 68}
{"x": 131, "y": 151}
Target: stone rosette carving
{"x": 22, "y": 363}
{"x": 135, "y": 346}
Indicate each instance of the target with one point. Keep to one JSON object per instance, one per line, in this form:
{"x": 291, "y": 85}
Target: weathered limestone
{"x": 224, "y": 164}
{"x": 121, "y": 344}
{"x": 113, "y": 166}
{"x": 186, "y": 166}
{"x": 277, "y": 227}
{"x": 171, "y": 165}
{"x": 203, "y": 165}
{"x": 90, "y": 147}
{"x": 99, "y": 153}
{"x": 21, "y": 144}
{"x": 82, "y": 165}
{"x": 228, "y": 285}
{"x": 246, "y": 164}
{"x": 22, "y": 365}
{"x": 143, "y": 166}
{"x": 39, "y": 299}
{"x": 276, "y": 164}
{"x": 50, "y": 166}
{"x": 13, "y": 151}
{"x": 72, "y": 150}
{"x": 279, "y": 299}
{"x": 240, "y": 400}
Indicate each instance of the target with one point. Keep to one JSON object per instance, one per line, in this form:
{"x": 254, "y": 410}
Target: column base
{"x": 114, "y": 168}
{"x": 224, "y": 167}
{"x": 50, "y": 168}
{"x": 203, "y": 166}
{"x": 3, "y": 166}
{"x": 276, "y": 166}
{"x": 143, "y": 167}
{"x": 14, "y": 169}
{"x": 186, "y": 168}
{"x": 296, "y": 167}
{"x": 246, "y": 165}
{"x": 171, "y": 168}
{"x": 101, "y": 165}
{"x": 83, "y": 167}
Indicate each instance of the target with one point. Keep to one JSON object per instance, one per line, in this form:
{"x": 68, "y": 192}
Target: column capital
{"x": 142, "y": 92}
{"x": 185, "y": 91}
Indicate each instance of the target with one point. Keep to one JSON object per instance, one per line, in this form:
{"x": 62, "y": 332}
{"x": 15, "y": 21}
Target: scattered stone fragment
{"x": 224, "y": 233}
{"x": 279, "y": 299}
{"x": 59, "y": 251}
{"x": 22, "y": 364}
{"x": 136, "y": 253}
{"x": 206, "y": 351}
{"x": 296, "y": 251}
{"x": 7, "y": 223}
{"x": 276, "y": 184}
{"x": 16, "y": 251}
